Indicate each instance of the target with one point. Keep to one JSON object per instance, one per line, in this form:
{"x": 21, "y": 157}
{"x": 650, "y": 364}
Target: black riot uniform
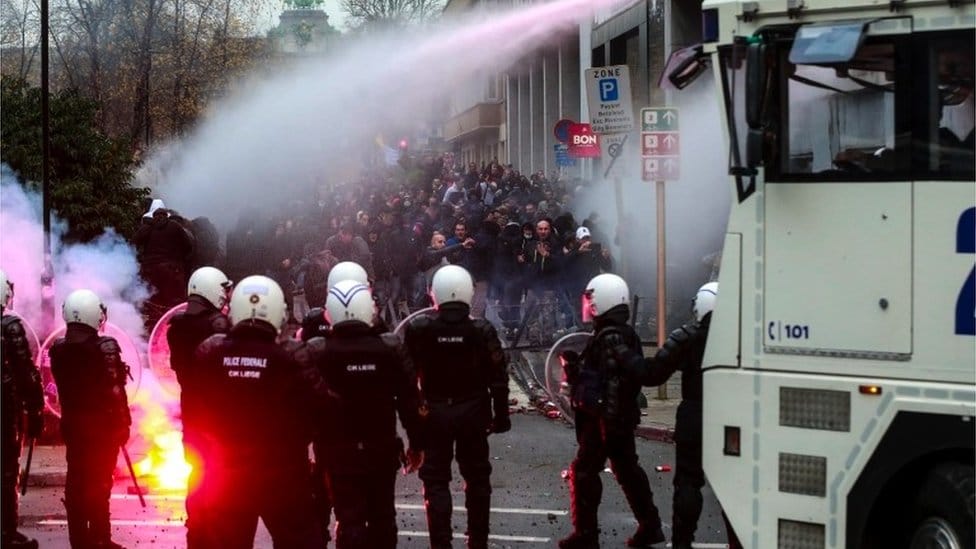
{"x": 315, "y": 325}
{"x": 257, "y": 425}
{"x": 186, "y": 331}
{"x": 371, "y": 378}
{"x": 22, "y": 394}
{"x": 95, "y": 420}
{"x": 464, "y": 379}
{"x": 683, "y": 350}
{"x": 604, "y": 399}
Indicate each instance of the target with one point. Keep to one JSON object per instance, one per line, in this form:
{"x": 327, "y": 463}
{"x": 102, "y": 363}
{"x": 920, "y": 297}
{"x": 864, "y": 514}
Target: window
{"x": 945, "y": 115}
{"x": 842, "y": 121}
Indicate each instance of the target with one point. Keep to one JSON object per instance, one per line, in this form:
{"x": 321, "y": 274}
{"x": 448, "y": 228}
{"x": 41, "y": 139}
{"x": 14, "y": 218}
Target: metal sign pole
{"x": 662, "y": 390}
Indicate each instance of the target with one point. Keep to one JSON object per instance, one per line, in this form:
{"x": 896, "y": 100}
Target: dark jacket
{"x": 90, "y": 377}
{"x": 369, "y": 377}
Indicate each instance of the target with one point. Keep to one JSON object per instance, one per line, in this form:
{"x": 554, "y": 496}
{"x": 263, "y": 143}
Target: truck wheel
{"x": 943, "y": 513}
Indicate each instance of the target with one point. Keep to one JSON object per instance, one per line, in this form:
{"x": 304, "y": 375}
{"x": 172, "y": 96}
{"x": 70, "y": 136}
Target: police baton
{"x": 26, "y": 473}
{"x": 132, "y": 473}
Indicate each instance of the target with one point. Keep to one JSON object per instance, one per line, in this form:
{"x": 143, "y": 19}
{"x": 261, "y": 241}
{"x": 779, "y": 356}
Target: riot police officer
{"x": 22, "y": 394}
{"x": 208, "y": 291}
{"x": 684, "y": 350}
{"x": 604, "y": 399}
{"x": 371, "y": 378}
{"x": 256, "y": 419}
{"x": 315, "y": 324}
{"x": 465, "y": 388}
{"x": 95, "y": 420}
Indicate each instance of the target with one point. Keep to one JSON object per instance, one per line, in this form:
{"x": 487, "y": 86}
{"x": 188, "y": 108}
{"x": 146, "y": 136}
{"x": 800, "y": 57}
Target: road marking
{"x": 499, "y": 537}
{"x": 179, "y": 524}
{"x": 502, "y": 510}
{"x": 406, "y": 506}
{"x": 122, "y": 522}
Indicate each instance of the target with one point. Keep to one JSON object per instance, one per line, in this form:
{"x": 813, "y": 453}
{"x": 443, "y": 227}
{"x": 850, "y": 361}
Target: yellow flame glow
{"x": 165, "y": 467}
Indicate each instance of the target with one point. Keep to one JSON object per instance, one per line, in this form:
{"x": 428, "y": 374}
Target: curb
{"x": 658, "y": 433}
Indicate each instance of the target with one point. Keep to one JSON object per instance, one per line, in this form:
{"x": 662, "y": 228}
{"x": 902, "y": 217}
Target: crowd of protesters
{"x": 515, "y": 234}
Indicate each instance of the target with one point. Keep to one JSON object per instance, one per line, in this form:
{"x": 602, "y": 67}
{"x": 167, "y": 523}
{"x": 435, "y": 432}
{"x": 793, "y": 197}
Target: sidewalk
{"x": 657, "y": 420}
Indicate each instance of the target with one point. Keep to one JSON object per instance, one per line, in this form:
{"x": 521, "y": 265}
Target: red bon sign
{"x": 583, "y": 143}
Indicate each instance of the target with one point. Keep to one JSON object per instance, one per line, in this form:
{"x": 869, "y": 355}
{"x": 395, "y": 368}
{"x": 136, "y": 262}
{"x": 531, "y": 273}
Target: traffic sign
{"x": 583, "y": 143}
{"x": 660, "y": 144}
{"x": 608, "y": 96}
{"x": 659, "y": 119}
{"x": 561, "y": 130}
{"x": 661, "y": 168}
{"x": 563, "y": 160}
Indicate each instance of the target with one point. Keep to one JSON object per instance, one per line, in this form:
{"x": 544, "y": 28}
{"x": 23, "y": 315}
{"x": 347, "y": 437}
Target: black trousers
{"x": 689, "y": 477}
{"x": 599, "y": 442}
{"x": 10, "y": 468}
{"x": 88, "y": 487}
{"x": 280, "y": 498}
{"x": 364, "y": 508}
{"x": 460, "y": 428}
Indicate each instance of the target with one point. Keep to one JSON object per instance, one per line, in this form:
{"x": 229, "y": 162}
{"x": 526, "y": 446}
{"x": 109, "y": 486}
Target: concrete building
{"x": 510, "y": 113}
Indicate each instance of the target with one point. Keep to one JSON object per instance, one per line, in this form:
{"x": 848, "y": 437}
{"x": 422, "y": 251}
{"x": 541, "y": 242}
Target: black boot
{"x": 16, "y": 540}
{"x": 646, "y": 536}
{"x": 581, "y": 540}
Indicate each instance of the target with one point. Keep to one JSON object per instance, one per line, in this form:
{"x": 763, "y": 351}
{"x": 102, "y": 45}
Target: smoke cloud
{"x": 107, "y": 265}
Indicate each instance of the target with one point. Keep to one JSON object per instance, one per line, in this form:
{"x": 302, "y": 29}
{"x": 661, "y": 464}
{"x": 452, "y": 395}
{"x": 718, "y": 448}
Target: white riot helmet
{"x": 6, "y": 292}
{"x": 84, "y": 307}
{"x": 602, "y": 293}
{"x": 347, "y": 270}
{"x": 704, "y": 302}
{"x": 452, "y": 284}
{"x": 258, "y": 298}
{"x": 350, "y": 301}
{"x": 211, "y": 284}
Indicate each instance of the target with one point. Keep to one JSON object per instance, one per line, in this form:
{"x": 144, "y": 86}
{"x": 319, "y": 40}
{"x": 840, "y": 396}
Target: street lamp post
{"x": 47, "y": 276}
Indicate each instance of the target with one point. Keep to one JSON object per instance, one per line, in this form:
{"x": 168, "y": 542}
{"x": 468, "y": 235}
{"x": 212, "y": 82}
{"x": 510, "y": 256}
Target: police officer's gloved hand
{"x": 500, "y": 424}
{"x": 35, "y": 424}
{"x": 570, "y": 362}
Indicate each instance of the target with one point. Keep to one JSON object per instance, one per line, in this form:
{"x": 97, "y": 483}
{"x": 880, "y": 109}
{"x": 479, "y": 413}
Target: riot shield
{"x": 403, "y": 323}
{"x": 130, "y": 355}
{"x": 159, "y": 353}
{"x": 558, "y": 389}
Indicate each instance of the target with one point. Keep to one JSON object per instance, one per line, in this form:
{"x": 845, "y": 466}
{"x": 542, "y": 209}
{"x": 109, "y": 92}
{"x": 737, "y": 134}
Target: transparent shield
{"x": 402, "y": 326}
{"x": 159, "y": 353}
{"x": 130, "y": 355}
{"x": 557, "y": 388}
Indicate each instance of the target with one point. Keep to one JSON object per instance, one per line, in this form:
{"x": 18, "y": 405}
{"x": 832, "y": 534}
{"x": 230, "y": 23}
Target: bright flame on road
{"x": 164, "y": 466}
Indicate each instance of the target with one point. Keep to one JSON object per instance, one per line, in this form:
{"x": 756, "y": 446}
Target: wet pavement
{"x": 530, "y": 501}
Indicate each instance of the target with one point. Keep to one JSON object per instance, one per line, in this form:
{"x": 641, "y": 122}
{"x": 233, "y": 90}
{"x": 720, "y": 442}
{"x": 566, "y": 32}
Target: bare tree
{"x": 19, "y": 36}
{"x": 391, "y": 12}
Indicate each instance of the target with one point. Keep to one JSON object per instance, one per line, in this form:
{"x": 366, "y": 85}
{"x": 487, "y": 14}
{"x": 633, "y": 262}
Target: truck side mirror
{"x": 755, "y": 84}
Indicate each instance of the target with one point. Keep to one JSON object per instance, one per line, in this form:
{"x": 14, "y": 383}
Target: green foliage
{"x": 90, "y": 173}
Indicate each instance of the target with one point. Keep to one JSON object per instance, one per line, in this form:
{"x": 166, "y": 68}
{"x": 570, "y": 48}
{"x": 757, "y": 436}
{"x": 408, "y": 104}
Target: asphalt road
{"x": 530, "y": 501}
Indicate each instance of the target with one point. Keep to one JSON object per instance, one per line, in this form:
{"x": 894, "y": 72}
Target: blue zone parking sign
{"x": 609, "y": 99}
